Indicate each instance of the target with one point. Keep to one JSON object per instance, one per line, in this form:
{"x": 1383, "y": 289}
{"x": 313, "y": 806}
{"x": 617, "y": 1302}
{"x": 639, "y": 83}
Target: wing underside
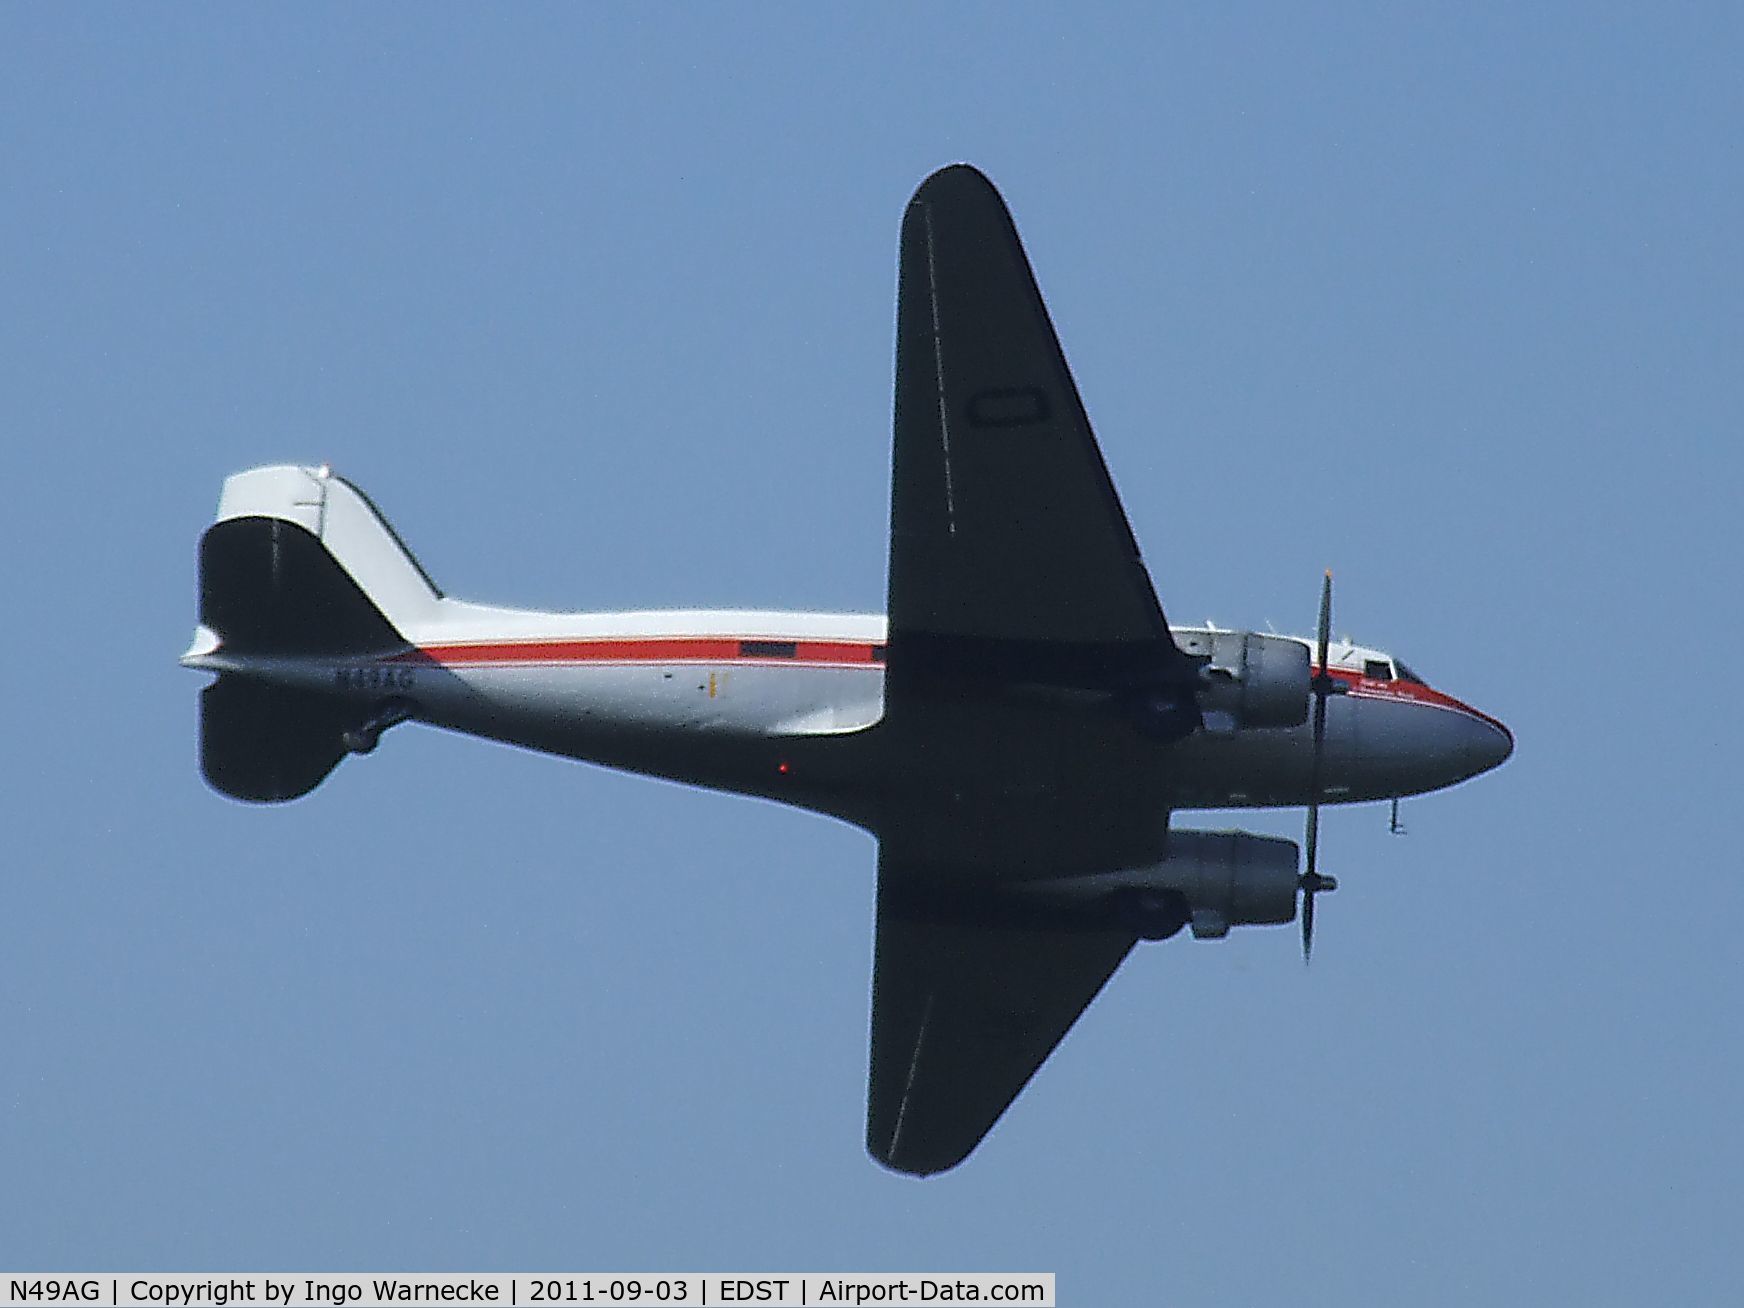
{"x": 1022, "y": 620}
{"x": 1010, "y": 553}
{"x": 965, "y": 1007}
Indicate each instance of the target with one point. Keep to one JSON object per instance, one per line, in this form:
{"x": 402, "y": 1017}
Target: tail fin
{"x": 262, "y": 509}
{"x": 299, "y": 564}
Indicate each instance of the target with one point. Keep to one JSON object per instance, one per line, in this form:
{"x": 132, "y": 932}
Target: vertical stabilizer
{"x": 347, "y": 525}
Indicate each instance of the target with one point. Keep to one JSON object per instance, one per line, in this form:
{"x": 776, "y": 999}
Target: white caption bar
{"x": 514, "y": 1289}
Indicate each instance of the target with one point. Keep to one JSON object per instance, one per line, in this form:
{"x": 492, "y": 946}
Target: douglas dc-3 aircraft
{"x": 1015, "y": 730}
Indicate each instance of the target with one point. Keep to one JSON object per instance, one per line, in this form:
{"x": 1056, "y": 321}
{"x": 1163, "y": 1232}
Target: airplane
{"x": 1016, "y": 730}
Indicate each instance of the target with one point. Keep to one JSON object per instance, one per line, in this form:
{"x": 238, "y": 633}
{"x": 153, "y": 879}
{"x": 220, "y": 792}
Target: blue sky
{"x": 597, "y": 303}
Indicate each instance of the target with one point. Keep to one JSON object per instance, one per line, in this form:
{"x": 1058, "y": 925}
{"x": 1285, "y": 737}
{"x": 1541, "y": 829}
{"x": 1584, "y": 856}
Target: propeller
{"x": 1322, "y": 686}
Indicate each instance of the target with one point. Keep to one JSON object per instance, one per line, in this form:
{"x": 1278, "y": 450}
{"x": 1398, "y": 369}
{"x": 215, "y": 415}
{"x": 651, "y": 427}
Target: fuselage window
{"x": 1377, "y": 670}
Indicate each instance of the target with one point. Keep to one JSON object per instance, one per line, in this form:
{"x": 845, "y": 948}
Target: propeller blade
{"x": 1312, "y": 881}
{"x": 1314, "y": 770}
{"x": 1324, "y": 631}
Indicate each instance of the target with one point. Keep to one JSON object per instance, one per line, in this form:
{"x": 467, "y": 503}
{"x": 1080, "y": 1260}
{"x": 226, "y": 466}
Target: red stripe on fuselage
{"x": 651, "y": 649}
{"x": 813, "y": 653}
{"x": 1411, "y": 692}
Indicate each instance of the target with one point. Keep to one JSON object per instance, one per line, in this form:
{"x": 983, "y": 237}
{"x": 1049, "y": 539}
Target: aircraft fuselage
{"x": 788, "y": 706}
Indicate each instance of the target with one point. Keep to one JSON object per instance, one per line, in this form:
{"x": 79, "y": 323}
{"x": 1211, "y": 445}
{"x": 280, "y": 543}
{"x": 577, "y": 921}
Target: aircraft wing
{"x": 965, "y": 1008}
{"x": 1010, "y": 553}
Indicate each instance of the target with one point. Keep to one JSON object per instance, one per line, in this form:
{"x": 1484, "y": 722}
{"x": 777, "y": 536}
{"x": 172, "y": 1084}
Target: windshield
{"x": 1405, "y": 674}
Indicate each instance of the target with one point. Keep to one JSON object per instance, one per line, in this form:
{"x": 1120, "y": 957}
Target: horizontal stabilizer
{"x": 267, "y": 744}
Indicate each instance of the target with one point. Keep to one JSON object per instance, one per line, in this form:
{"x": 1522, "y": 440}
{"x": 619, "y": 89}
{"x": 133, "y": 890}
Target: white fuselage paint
{"x": 788, "y": 706}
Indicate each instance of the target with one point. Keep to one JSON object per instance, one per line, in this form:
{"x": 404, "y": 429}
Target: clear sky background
{"x": 598, "y": 304}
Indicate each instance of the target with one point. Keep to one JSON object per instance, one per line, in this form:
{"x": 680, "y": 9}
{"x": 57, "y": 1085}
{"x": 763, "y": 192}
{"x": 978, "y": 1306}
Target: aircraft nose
{"x": 1483, "y": 742}
{"x": 1497, "y": 747}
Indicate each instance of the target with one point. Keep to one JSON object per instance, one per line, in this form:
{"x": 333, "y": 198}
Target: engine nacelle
{"x": 1212, "y": 880}
{"x": 1229, "y": 878}
{"x": 1251, "y": 680}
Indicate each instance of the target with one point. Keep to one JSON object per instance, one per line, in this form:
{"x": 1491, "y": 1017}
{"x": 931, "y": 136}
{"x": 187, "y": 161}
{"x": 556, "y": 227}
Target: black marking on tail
{"x": 267, "y": 586}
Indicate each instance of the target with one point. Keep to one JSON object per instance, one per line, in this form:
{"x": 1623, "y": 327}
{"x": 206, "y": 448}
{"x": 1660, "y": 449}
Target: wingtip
{"x": 916, "y": 1169}
{"x": 956, "y": 174}
{"x": 910, "y": 1157}
{"x": 962, "y": 168}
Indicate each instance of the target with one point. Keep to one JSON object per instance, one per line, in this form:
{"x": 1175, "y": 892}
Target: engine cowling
{"x": 1212, "y": 880}
{"x": 1228, "y": 878}
{"x": 1250, "y": 680}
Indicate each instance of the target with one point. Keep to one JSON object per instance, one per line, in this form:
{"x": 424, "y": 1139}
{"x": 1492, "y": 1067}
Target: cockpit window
{"x": 1377, "y": 670}
{"x": 1405, "y": 674}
